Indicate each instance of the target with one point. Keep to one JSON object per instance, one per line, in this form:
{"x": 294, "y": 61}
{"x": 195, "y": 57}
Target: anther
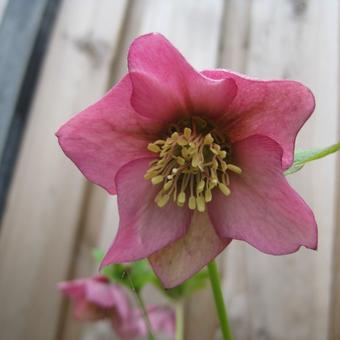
{"x": 200, "y": 204}
{"x": 162, "y": 200}
{"x": 180, "y": 160}
{"x": 192, "y": 203}
{"x": 213, "y": 183}
{"x": 167, "y": 185}
{"x": 187, "y": 133}
{"x": 200, "y": 186}
{"x": 181, "y": 198}
{"x": 223, "y": 154}
{"x": 224, "y": 166}
{"x": 154, "y": 148}
{"x": 234, "y": 168}
{"x": 224, "y": 189}
{"x": 208, "y": 195}
{"x": 157, "y": 179}
{"x": 208, "y": 139}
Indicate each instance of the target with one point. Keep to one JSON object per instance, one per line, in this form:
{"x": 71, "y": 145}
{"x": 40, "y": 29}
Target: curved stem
{"x": 145, "y": 315}
{"x": 219, "y": 302}
{"x": 142, "y": 308}
{"x": 179, "y": 320}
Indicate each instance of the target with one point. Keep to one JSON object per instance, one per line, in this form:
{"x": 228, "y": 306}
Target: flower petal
{"x": 180, "y": 260}
{"x": 143, "y": 227}
{"x": 95, "y": 298}
{"x": 277, "y": 109}
{"x": 166, "y": 87}
{"x": 162, "y": 319}
{"x": 107, "y": 295}
{"x": 106, "y": 135}
{"x": 263, "y": 209}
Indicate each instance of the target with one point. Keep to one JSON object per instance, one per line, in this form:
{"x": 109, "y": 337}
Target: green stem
{"x": 219, "y": 302}
{"x": 142, "y": 308}
{"x": 179, "y": 320}
{"x": 145, "y": 315}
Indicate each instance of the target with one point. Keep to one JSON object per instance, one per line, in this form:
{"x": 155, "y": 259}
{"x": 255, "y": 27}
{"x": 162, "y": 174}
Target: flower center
{"x": 193, "y": 160}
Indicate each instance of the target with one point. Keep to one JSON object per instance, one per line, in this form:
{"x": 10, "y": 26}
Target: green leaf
{"x": 141, "y": 274}
{"x": 188, "y": 287}
{"x": 302, "y": 157}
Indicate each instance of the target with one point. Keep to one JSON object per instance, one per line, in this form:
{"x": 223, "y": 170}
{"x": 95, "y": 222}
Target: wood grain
{"x": 43, "y": 213}
{"x": 288, "y": 297}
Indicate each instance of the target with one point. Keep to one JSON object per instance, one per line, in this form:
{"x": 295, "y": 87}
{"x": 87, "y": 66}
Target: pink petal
{"x": 263, "y": 209}
{"x": 106, "y": 135}
{"x": 166, "y": 87}
{"x": 89, "y": 298}
{"x": 108, "y": 295}
{"x": 277, "y": 109}
{"x": 143, "y": 227}
{"x": 73, "y": 289}
{"x": 180, "y": 260}
{"x": 162, "y": 319}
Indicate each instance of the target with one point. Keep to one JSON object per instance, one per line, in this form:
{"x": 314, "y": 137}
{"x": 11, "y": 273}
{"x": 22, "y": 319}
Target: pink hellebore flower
{"x": 96, "y": 299}
{"x": 196, "y": 159}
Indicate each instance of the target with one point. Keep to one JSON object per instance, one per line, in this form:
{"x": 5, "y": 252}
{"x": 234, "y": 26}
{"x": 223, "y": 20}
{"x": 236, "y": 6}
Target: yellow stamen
{"x": 223, "y": 154}
{"x": 192, "y": 161}
{"x": 187, "y": 133}
{"x": 154, "y": 148}
{"x": 167, "y": 185}
{"x": 225, "y": 190}
{"x": 208, "y": 139}
{"x": 200, "y": 204}
{"x": 162, "y": 200}
{"x": 192, "y": 203}
{"x": 200, "y": 186}
{"x": 157, "y": 179}
{"x": 180, "y": 160}
{"x": 234, "y": 168}
{"x": 181, "y": 198}
{"x": 208, "y": 195}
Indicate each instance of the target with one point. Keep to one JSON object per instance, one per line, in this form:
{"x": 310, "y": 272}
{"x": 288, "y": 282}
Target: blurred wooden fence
{"x": 53, "y": 218}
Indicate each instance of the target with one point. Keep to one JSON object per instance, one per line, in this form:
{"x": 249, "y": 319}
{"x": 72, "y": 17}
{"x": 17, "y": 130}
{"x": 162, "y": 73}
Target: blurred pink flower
{"x": 196, "y": 160}
{"x": 96, "y": 298}
{"x": 162, "y": 319}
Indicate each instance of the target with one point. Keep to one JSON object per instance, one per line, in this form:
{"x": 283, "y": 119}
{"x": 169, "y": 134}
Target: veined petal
{"x": 277, "y": 109}
{"x": 167, "y": 87}
{"x": 144, "y": 227}
{"x": 106, "y": 135}
{"x": 262, "y": 208}
{"x": 183, "y": 258}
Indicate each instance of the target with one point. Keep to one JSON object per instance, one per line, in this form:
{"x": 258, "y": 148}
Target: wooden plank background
{"x": 54, "y": 218}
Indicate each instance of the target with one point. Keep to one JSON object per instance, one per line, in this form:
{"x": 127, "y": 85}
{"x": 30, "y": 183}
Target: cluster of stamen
{"x": 193, "y": 161}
